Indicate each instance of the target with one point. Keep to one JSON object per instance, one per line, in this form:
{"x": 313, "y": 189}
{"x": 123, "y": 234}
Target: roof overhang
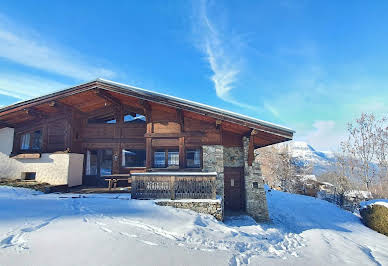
{"x": 283, "y": 133}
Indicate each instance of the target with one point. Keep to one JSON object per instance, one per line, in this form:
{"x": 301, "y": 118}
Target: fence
{"x": 154, "y": 186}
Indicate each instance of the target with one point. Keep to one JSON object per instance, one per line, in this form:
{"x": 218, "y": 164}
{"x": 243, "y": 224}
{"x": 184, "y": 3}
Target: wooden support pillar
{"x": 148, "y": 153}
{"x": 116, "y": 159}
{"x": 148, "y": 114}
{"x": 182, "y": 157}
{"x": 251, "y": 148}
{"x": 180, "y": 119}
{"x": 68, "y": 132}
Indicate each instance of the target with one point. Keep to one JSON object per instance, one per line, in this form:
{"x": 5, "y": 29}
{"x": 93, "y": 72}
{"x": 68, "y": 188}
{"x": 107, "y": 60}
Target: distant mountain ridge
{"x": 305, "y": 154}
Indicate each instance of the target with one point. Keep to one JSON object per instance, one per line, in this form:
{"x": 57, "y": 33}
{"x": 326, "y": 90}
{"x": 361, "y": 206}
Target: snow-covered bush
{"x": 375, "y": 216}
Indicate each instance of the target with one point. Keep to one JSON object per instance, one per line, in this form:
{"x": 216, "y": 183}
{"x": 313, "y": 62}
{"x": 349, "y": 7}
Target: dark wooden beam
{"x": 180, "y": 119}
{"x": 103, "y": 110}
{"x": 4, "y": 124}
{"x": 145, "y": 104}
{"x": 108, "y": 97}
{"x": 35, "y": 113}
{"x": 148, "y": 153}
{"x": 65, "y": 107}
{"x": 182, "y": 157}
{"x": 132, "y": 110}
{"x": 251, "y": 147}
{"x": 147, "y": 110}
{"x": 218, "y": 124}
{"x": 174, "y": 135}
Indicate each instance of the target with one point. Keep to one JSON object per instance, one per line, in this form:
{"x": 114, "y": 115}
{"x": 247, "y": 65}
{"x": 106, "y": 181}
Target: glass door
{"x": 105, "y": 162}
{"x": 98, "y": 164}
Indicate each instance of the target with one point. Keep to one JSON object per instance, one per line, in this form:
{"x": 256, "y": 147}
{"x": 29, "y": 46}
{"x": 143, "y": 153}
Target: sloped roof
{"x": 153, "y": 97}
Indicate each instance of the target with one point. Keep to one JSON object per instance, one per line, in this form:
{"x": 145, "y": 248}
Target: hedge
{"x": 376, "y": 217}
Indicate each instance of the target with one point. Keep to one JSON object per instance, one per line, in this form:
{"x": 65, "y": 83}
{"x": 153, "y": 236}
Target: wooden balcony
{"x": 174, "y": 185}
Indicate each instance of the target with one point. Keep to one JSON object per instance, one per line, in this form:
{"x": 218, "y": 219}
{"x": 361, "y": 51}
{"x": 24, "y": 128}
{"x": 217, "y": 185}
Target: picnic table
{"x": 112, "y": 179}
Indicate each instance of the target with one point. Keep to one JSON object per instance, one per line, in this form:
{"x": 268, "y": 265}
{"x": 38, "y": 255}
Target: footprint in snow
{"x": 198, "y": 221}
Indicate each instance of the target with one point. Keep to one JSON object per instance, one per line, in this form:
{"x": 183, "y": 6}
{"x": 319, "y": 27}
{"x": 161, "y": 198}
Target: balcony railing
{"x": 173, "y": 185}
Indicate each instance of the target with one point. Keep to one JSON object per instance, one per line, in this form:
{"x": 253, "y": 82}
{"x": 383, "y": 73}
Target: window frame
{"x": 134, "y": 118}
{"x": 200, "y": 157}
{"x": 31, "y": 140}
{"x": 133, "y": 167}
{"x": 90, "y": 119}
{"x": 165, "y": 150}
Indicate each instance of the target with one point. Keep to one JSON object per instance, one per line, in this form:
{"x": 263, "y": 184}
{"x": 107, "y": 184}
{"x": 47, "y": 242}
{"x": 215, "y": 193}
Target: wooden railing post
{"x": 133, "y": 187}
{"x": 214, "y": 190}
{"x": 172, "y": 187}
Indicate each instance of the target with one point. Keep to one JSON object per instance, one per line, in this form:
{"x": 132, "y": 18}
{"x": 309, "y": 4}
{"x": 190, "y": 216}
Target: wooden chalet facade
{"x": 123, "y": 129}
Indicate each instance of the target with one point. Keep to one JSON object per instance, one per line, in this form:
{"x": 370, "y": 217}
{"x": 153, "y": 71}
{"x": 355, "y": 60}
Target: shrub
{"x": 376, "y": 217}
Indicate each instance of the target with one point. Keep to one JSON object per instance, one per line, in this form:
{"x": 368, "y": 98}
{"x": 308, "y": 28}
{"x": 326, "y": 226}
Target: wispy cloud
{"x": 23, "y": 87}
{"x": 325, "y": 134}
{"x": 25, "y": 47}
{"x": 272, "y": 109}
{"x": 225, "y": 65}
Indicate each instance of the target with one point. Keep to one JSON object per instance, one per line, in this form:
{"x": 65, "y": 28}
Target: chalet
{"x": 86, "y": 133}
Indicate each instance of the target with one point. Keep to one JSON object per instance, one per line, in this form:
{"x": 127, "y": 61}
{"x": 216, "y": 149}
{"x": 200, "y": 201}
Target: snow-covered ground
{"x": 111, "y": 229}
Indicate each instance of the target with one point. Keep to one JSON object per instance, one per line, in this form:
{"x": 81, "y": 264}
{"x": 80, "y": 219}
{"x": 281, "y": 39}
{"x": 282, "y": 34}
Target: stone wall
{"x": 255, "y": 199}
{"x": 348, "y": 201}
{"x": 213, "y": 161}
{"x": 233, "y": 157}
{"x": 212, "y": 207}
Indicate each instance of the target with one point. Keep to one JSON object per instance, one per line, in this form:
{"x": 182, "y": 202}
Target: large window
{"x": 134, "y": 118}
{"x": 31, "y": 140}
{"x": 103, "y": 119}
{"x": 193, "y": 158}
{"x": 99, "y": 162}
{"x": 166, "y": 158}
{"x": 133, "y": 158}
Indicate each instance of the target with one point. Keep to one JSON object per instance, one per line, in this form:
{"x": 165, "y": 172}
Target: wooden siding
{"x": 63, "y": 119}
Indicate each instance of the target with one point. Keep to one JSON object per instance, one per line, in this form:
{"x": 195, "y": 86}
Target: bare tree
{"x": 361, "y": 145}
{"x": 381, "y": 154}
{"x": 278, "y": 168}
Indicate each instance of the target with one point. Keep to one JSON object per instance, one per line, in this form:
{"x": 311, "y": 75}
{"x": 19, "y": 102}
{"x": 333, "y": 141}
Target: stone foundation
{"x": 255, "y": 198}
{"x": 212, "y": 207}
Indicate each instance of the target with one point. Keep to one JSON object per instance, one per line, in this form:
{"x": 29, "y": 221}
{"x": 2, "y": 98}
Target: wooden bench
{"x": 113, "y": 179}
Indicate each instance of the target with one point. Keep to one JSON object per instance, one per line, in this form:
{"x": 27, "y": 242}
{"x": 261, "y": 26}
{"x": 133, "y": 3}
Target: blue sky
{"x": 309, "y": 65}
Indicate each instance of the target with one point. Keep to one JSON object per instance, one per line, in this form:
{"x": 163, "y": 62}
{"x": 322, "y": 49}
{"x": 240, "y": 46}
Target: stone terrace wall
{"x": 255, "y": 199}
{"x": 212, "y": 207}
{"x": 213, "y": 161}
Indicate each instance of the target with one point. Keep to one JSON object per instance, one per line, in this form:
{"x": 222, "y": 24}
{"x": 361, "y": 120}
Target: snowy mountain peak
{"x": 305, "y": 154}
